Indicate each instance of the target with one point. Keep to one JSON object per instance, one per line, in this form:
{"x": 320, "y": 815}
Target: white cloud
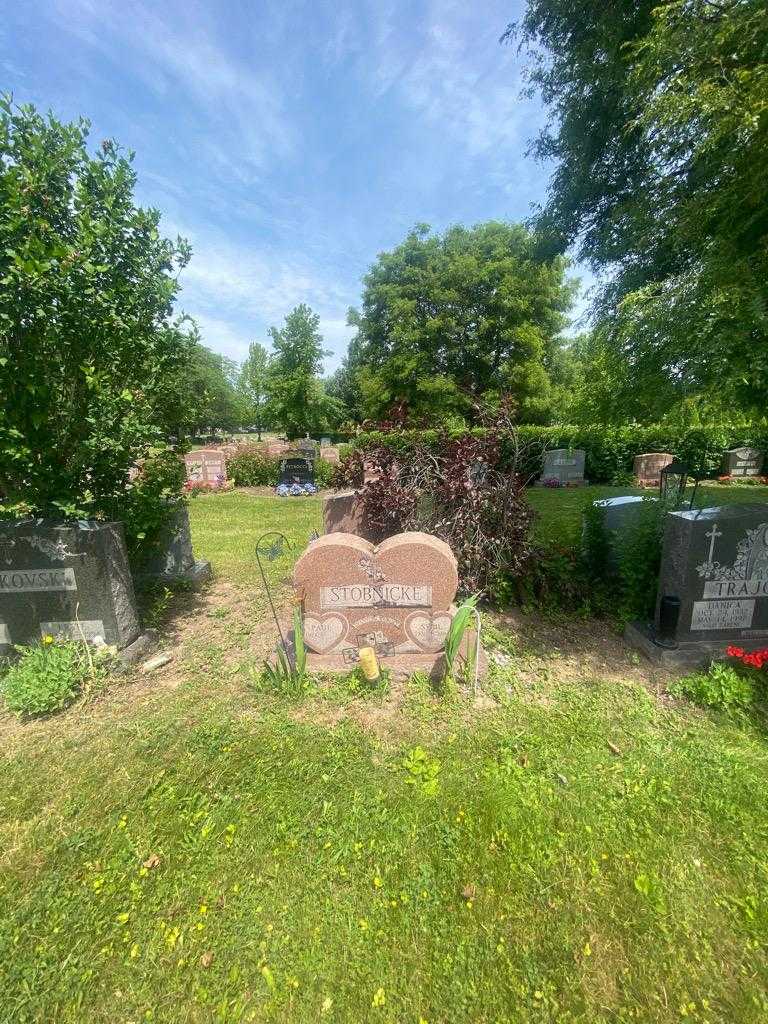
{"x": 264, "y": 285}
{"x": 222, "y": 336}
{"x": 454, "y": 73}
{"x": 177, "y": 50}
{"x": 237, "y": 292}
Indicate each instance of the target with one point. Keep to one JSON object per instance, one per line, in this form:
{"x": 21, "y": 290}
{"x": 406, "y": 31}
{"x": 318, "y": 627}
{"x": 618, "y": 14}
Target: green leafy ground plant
{"x": 722, "y": 687}
{"x": 47, "y": 677}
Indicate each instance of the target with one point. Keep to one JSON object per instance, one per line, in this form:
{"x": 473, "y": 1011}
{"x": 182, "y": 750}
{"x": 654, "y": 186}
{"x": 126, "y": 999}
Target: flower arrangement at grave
{"x": 752, "y": 659}
{"x": 743, "y": 481}
{"x": 221, "y": 483}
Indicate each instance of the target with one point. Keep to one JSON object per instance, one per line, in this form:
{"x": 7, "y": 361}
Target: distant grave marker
{"x": 647, "y": 468}
{"x": 742, "y": 462}
{"x": 563, "y": 467}
{"x": 206, "y": 465}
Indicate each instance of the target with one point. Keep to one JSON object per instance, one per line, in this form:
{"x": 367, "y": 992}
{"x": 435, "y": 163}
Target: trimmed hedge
{"x": 610, "y": 451}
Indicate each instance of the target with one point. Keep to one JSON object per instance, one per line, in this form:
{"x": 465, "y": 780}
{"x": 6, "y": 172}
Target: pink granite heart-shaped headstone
{"x": 355, "y": 594}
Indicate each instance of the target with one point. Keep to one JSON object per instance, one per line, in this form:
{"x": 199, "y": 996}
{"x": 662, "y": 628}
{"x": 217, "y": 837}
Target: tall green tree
{"x": 215, "y": 380}
{"x": 344, "y": 384}
{"x": 659, "y": 136}
{"x": 254, "y": 384}
{"x": 89, "y": 348}
{"x": 450, "y": 319}
{"x": 297, "y": 398}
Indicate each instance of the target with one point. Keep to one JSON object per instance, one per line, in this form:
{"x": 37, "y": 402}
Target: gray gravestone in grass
{"x": 170, "y": 558}
{"x": 714, "y": 569}
{"x": 65, "y": 579}
{"x": 742, "y": 462}
{"x": 563, "y": 466}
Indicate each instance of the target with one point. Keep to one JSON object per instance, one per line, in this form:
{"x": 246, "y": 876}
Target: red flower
{"x": 754, "y": 659}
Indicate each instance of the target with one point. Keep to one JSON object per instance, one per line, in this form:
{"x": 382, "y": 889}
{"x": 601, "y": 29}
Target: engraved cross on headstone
{"x": 713, "y": 534}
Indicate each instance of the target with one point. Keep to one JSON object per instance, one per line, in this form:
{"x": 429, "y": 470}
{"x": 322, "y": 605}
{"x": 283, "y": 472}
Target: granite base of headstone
{"x": 396, "y": 597}
{"x": 65, "y": 579}
{"x": 171, "y": 559}
{"x": 647, "y": 468}
{"x": 714, "y": 567}
{"x": 563, "y": 467}
{"x": 742, "y": 462}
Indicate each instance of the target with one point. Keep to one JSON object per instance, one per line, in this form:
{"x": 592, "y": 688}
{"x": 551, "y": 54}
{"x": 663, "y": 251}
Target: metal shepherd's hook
{"x": 271, "y": 553}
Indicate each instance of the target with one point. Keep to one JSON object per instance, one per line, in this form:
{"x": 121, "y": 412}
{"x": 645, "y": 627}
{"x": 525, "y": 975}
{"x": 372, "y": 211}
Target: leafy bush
{"x": 464, "y": 490}
{"x": 610, "y": 451}
{"x": 638, "y": 558}
{"x": 722, "y": 686}
{"x": 150, "y": 500}
{"x": 324, "y": 473}
{"x": 91, "y": 358}
{"x": 46, "y": 677}
{"x": 625, "y": 566}
{"x": 557, "y": 580}
{"x": 252, "y": 467}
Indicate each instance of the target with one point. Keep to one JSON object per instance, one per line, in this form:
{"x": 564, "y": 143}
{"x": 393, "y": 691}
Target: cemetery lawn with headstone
{"x": 573, "y": 846}
{"x": 561, "y": 509}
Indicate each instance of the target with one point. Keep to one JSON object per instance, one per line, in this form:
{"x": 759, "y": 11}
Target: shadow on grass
{"x": 165, "y": 606}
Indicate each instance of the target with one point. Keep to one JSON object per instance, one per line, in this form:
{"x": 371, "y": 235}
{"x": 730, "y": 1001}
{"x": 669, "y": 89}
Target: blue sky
{"x": 290, "y": 142}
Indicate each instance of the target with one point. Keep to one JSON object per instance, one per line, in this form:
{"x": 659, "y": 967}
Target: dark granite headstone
{"x": 296, "y": 471}
{"x": 65, "y": 579}
{"x": 715, "y": 561}
{"x": 743, "y": 462}
{"x": 171, "y": 558}
{"x": 564, "y": 465}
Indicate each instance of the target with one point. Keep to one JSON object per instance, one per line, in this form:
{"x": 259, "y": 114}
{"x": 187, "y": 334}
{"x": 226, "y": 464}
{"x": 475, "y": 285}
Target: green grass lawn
{"x": 188, "y": 848}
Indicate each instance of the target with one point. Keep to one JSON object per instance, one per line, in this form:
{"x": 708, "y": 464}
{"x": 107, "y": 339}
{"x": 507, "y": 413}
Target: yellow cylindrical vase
{"x": 368, "y": 664}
